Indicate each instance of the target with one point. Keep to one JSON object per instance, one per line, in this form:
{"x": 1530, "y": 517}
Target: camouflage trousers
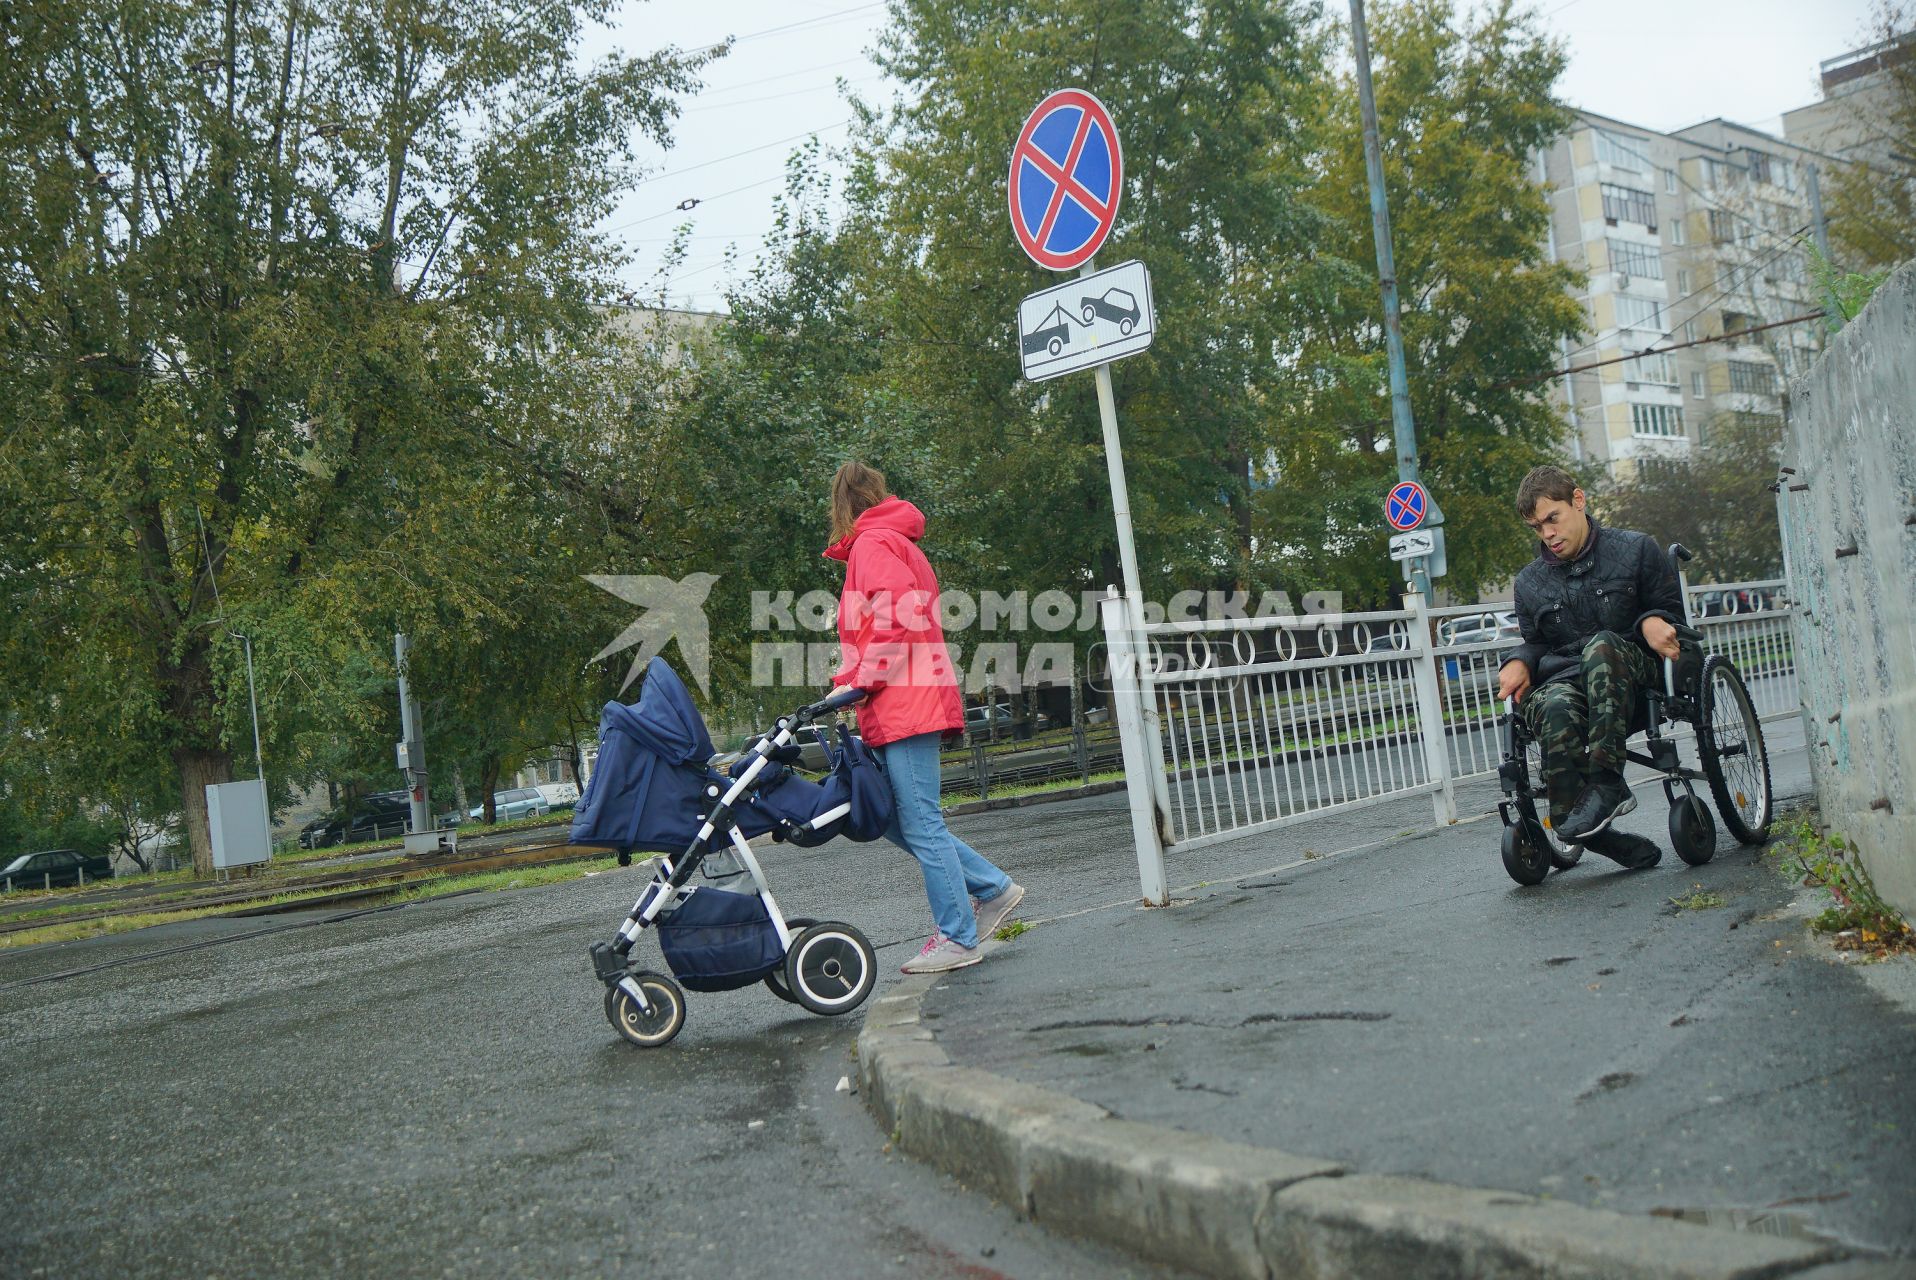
{"x": 1580, "y": 724}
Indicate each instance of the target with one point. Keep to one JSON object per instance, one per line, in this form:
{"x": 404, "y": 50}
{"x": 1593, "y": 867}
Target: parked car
{"x": 312, "y": 835}
{"x": 998, "y": 713}
{"x": 559, "y": 795}
{"x": 378, "y": 816}
{"x": 810, "y": 741}
{"x": 1484, "y": 628}
{"x": 53, "y": 867}
{"x": 1388, "y": 642}
{"x": 520, "y": 802}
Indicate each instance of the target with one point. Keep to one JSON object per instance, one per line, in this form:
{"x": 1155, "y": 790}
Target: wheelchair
{"x": 1703, "y": 690}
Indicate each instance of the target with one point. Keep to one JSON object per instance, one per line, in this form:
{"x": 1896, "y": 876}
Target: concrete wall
{"x": 1849, "y": 534}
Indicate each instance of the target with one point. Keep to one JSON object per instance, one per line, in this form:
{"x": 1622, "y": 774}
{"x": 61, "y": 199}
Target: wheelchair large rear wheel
{"x": 1729, "y": 739}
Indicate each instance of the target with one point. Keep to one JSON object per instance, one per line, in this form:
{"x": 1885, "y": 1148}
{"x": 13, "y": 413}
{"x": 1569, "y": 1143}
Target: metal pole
{"x": 1833, "y": 310}
{"x": 417, "y": 797}
{"x": 1430, "y": 712}
{"x": 1140, "y": 769}
{"x": 259, "y": 762}
{"x": 1416, "y": 571}
{"x": 1114, "y": 462}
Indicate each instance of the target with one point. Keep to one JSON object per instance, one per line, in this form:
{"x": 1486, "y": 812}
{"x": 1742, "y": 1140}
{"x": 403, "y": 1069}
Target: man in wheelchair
{"x": 1598, "y": 609}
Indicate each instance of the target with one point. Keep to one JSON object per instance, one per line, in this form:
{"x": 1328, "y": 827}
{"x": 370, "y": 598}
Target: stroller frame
{"x": 829, "y": 968}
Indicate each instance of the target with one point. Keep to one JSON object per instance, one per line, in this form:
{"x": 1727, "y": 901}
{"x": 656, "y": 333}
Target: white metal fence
{"x": 1240, "y": 725}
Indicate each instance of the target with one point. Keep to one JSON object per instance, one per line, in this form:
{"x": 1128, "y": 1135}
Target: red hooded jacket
{"x": 888, "y": 625}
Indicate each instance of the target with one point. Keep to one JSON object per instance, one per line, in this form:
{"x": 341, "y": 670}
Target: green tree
{"x": 296, "y": 302}
{"x": 1463, "y": 104}
{"x": 1721, "y": 505}
{"x": 1214, "y": 102}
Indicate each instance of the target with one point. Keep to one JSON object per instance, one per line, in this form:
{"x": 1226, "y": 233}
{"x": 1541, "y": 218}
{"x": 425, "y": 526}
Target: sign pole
{"x": 1416, "y": 570}
{"x": 1114, "y": 461}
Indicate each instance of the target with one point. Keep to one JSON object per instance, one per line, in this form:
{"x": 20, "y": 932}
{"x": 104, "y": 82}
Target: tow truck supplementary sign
{"x": 1087, "y": 321}
{"x": 1067, "y": 175}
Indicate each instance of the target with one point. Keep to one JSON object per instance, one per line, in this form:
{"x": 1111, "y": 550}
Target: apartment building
{"x": 1858, "y": 97}
{"x": 1696, "y": 235}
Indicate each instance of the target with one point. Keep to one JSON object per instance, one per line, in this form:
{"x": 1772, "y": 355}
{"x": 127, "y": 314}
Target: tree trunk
{"x": 198, "y": 770}
{"x": 490, "y": 781}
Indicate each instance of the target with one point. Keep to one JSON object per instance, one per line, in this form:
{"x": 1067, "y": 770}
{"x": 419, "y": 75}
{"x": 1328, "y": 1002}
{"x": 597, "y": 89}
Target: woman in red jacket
{"x": 895, "y": 651}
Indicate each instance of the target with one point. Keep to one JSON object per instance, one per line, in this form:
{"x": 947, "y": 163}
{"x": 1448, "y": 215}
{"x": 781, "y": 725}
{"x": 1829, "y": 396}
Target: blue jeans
{"x": 954, "y": 871}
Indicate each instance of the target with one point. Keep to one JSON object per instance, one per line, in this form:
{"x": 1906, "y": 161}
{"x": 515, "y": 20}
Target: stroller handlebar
{"x": 836, "y": 700}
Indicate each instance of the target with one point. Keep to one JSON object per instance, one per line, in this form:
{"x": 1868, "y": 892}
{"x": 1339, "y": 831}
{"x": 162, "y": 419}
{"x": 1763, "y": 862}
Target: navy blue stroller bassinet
{"x": 654, "y": 791}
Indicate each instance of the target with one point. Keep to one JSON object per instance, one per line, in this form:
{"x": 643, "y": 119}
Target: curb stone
{"x": 1233, "y": 1210}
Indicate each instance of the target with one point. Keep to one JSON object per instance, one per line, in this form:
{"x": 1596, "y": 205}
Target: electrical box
{"x": 236, "y": 823}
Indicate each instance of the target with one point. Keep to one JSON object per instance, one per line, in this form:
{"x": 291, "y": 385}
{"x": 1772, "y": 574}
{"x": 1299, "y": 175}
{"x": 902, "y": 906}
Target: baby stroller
{"x": 653, "y": 791}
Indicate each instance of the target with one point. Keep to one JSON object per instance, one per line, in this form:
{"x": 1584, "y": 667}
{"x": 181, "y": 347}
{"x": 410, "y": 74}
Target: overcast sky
{"x": 1660, "y": 63}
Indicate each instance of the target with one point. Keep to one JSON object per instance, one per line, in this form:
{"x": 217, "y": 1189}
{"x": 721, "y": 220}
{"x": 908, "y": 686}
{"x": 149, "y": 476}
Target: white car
{"x": 559, "y": 795}
{"x": 520, "y": 802}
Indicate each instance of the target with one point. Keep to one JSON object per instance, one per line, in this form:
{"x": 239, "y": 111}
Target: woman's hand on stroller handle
{"x": 836, "y": 700}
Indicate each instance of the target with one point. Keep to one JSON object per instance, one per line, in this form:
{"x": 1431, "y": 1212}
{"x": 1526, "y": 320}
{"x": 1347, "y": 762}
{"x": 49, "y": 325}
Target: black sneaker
{"x": 1602, "y": 802}
{"x": 1632, "y": 853}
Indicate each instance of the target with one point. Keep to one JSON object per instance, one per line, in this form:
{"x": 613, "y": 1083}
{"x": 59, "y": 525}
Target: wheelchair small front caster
{"x": 1526, "y": 851}
{"x": 1692, "y": 830}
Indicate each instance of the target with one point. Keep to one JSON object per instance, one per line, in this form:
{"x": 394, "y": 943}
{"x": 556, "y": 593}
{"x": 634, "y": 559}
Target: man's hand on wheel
{"x": 1661, "y": 635}
{"x": 1513, "y": 681}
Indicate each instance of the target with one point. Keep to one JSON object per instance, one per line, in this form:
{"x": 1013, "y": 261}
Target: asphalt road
{"x": 434, "y": 1090}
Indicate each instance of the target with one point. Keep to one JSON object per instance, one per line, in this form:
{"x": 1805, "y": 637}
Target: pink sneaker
{"x": 940, "y": 954}
{"x": 992, "y": 915}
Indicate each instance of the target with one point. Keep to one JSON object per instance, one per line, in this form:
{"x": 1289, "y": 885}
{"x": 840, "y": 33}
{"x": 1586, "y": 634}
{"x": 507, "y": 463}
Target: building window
{"x": 1735, "y": 322}
{"x": 1677, "y": 236}
{"x": 1656, "y": 420}
{"x": 1655, "y": 367}
{"x": 1689, "y": 331}
{"x": 1722, "y": 227}
{"x": 1640, "y": 260}
{"x": 1696, "y": 386}
{"x": 1759, "y": 167}
{"x": 1669, "y": 182}
{"x": 1683, "y": 281}
{"x": 1618, "y": 153}
{"x": 1627, "y": 204}
{"x": 1752, "y": 378}
{"x": 1639, "y": 313}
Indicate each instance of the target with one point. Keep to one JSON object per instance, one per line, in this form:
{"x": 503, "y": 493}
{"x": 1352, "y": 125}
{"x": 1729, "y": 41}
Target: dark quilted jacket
{"x": 1620, "y": 579}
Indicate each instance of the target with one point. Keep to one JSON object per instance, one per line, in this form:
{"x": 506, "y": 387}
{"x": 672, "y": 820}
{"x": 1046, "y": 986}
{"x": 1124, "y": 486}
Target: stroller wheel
{"x": 775, "y": 980}
{"x": 830, "y": 968}
{"x": 647, "y": 1029}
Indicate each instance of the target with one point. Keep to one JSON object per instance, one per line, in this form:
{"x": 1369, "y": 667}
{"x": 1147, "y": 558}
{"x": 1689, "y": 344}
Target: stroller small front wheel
{"x": 647, "y": 1028}
{"x": 831, "y": 968}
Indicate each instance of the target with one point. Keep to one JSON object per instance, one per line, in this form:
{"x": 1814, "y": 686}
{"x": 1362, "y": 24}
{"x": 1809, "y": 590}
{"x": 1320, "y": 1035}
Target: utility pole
{"x": 412, "y": 747}
{"x": 1416, "y": 571}
{"x": 1820, "y": 226}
